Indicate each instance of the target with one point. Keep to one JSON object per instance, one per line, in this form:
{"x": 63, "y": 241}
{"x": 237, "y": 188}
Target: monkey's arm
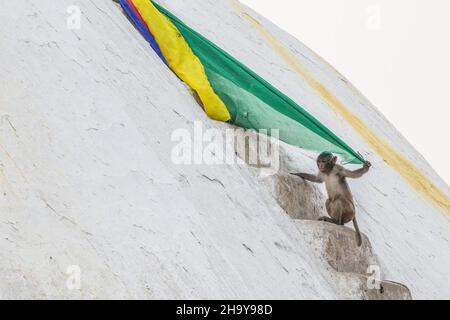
{"x": 356, "y": 173}
{"x": 309, "y": 177}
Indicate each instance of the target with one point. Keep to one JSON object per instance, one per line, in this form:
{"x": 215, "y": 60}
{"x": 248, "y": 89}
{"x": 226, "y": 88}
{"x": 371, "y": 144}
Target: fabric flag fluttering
{"x": 133, "y": 14}
{"x": 229, "y": 90}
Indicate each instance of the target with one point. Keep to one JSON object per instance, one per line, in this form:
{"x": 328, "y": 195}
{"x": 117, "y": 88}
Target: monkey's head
{"x": 326, "y": 162}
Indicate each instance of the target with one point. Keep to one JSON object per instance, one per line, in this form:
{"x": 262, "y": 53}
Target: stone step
{"x": 362, "y": 287}
{"x": 337, "y": 245}
{"x": 300, "y": 199}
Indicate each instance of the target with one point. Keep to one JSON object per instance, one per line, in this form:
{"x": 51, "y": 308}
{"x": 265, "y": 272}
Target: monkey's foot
{"x": 326, "y": 219}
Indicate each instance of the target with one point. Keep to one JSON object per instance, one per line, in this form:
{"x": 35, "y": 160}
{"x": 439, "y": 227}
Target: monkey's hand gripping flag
{"x": 229, "y": 90}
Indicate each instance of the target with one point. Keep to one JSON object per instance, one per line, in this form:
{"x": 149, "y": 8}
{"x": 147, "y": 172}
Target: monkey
{"x": 339, "y": 205}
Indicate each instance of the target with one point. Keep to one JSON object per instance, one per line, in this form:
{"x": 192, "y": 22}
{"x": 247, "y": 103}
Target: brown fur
{"x": 340, "y": 206}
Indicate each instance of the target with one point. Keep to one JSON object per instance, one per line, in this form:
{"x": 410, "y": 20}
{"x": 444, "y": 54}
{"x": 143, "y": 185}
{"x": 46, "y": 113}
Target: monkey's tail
{"x": 358, "y": 234}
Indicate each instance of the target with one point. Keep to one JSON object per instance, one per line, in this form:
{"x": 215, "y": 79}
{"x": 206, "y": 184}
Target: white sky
{"x": 396, "y": 52}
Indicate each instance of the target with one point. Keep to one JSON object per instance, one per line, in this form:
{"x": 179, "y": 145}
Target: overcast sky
{"x": 396, "y": 52}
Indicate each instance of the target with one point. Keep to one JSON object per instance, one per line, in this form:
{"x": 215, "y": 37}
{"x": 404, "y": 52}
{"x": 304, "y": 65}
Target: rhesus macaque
{"x": 340, "y": 206}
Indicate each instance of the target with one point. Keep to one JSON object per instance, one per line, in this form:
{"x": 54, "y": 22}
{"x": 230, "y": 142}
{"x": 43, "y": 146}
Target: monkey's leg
{"x": 344, "y": 210}
{"x": 340, "y": 220}
{"x": 334, "y": 209}
{"x": 327, "y": 219}
{"x": 338, "y": 208}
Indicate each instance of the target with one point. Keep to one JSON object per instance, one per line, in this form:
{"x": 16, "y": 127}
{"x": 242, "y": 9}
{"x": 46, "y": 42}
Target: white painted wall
{"x": 87, "y": 180}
